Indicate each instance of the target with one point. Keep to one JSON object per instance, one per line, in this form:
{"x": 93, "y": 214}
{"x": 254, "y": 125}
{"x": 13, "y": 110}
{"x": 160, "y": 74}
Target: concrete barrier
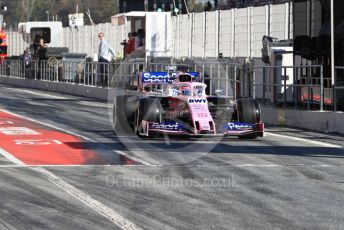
{"x": 72, "y": 89}
{"x": 313, "y": 120}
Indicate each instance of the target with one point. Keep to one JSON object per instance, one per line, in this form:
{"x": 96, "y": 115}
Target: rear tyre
{"x": 248, "y": 111}
{"x": 149, "y": 110}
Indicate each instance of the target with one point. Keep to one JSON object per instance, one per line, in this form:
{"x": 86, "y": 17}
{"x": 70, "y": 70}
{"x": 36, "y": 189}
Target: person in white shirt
{"x": 105, "y": 53}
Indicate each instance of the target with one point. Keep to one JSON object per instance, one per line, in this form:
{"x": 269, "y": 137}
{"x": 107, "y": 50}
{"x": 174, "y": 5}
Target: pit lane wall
{"x": 325, "y": 121}
{"x": 59, "y": 87}
{"x": 312, "y": 120}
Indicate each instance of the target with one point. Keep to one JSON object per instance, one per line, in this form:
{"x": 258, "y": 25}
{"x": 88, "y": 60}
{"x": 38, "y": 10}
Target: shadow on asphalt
{"x": 224, "y": 148}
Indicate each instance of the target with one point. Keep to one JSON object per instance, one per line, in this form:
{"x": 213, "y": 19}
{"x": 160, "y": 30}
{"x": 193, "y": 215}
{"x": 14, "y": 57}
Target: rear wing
{"x": 148, "y": 78}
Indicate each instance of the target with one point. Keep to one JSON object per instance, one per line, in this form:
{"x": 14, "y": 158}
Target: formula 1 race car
{"x": 175, "y": 103}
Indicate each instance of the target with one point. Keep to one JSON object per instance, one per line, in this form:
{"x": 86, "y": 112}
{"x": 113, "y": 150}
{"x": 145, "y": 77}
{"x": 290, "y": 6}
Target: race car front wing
{"x": 228, "y": 129}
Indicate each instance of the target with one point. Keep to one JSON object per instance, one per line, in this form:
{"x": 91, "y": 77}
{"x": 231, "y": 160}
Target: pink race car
{"x": 161, "y": 103}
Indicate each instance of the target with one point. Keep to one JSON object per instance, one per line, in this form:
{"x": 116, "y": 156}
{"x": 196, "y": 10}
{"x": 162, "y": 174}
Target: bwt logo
{"x": 239, "y": 126}
{"x": 148, "y": 77}
{"x": 200, "y": 101}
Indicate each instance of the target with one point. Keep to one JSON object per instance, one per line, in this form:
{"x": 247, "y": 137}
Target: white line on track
{"x": 324, "y": 144}
{"x": 87, "y": 200}
{"x": 93, "y": 104}
{"x": 77, "y": 135}
{"x": 11, "y": 158}
{"x": 87, "y": 103}
{"x": 177, "y": 166}
{"x": 150, "y": 164}
{"x": 142, "y": 161}
{"x": 36, "y": 93}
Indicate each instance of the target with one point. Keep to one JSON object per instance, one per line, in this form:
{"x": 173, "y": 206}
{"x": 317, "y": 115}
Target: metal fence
{"x": 222, "y": 79}
{"x": 303, "y": 86}
{"x": 338, "y": 88}
{"x": 70, "y": 72}
{"x": 298, "y": 87}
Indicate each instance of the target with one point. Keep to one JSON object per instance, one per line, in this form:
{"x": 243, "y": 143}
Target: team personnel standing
{"x": 41, "y": 53}
{"x": 105, "y": 53}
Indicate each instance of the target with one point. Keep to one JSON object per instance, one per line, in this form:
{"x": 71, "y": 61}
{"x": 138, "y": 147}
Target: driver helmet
{"x": 185, "y": 91}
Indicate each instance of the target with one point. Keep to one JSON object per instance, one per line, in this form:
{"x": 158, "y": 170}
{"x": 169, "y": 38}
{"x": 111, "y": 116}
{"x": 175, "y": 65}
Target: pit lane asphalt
{"x": 271, "y": 183}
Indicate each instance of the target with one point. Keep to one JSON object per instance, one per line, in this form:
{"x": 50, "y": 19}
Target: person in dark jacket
{"x": 26, "y": 59}
{"x": 42, "y": 56}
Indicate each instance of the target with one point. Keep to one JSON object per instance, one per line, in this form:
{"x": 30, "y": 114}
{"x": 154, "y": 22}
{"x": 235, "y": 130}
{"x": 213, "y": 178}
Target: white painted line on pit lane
{"x": 77, "y": 135}
{"x": 11, "y": 158}
{"x": 257, "y": 165}
{"x": 93, "y": 104}
{"x": 178, "y": 166}
{"x": 87, "y": 200}
{"x": 36, "y": 93}
{"x": 304, "y": 140}
{"x": 102, "y": 209}
{"x": 87, "y": 103}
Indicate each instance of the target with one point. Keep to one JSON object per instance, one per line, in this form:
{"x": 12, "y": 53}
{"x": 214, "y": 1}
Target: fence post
{"x": 334, "y": 91}
{"x": 309, "y": 90}
{"x": 218, "y": 75}
{"x": 35, "y": 69}
{"x": 285, "y": 87}
{"x": 108, "y": 73}
{"x": 264, "y": 83}
{"x": 254, "y": 84}
{"x": 244, "y": 79}
{"x": 56, "y": 71}
{"x": 211, "y": 79}
{"x": 235, "y": 83}
{"x": 228, "y": 81}
{"x": 321, "y": 88}
{"x": 296, "y": 89}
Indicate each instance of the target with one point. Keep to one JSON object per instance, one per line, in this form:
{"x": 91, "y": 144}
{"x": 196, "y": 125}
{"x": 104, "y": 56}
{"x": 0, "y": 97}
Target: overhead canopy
{"x": 135, "y": 14}
{"x": 130, "y": 14}
{"x": 120, "y": 19}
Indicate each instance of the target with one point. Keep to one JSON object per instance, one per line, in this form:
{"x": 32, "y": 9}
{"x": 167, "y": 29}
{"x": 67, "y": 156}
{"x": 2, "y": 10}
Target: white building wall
{"x": 259, "y": 28}
{"x": 16, "y": 44}
{"x": 241, "y": 36}
{"x": 184, "y": 35}
{"x": 198, "y": 35}
{"x": 174, "y": 36}
{"x": 234, "y": 33}
{"x": 226, "y": 33}
{"x": 211, "y": 34}
{"x": 279, "y": 21}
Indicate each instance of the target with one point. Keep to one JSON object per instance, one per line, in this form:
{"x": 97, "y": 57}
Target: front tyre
{"x": 248, "y": 111}
{"x": 149, "y": 110}
{"x": 123, "y": 114}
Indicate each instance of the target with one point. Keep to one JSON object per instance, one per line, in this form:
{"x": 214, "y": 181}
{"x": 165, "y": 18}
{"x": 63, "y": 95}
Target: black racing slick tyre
{"x": 149, "y": 110}
{"x": 248, "y": 111}
{"x": 124, "y": 114}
